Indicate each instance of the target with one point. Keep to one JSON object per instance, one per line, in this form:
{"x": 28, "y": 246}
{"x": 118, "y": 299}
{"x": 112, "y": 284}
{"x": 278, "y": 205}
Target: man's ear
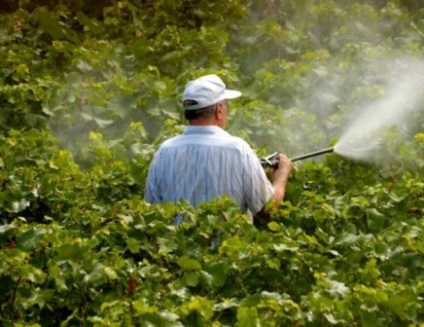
{"x": 219, "y": 111}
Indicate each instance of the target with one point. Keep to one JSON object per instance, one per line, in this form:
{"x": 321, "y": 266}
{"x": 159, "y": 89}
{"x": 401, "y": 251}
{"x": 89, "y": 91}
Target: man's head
{"x": 205, "y": 101}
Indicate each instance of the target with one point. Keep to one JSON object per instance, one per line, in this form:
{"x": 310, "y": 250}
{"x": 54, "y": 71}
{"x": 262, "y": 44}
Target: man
{"x": 206, "y": 162}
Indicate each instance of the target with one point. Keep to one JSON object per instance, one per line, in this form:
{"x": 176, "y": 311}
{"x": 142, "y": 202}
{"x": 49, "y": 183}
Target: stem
{"x": 12, "y": 309}
{"x": 1, "y": 311}
{"x": 83, "y": 305}
{"x": 132, "y": 311}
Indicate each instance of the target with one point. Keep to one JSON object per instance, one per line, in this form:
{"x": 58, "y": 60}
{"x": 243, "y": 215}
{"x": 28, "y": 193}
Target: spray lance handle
{"x": 272, "y": 162}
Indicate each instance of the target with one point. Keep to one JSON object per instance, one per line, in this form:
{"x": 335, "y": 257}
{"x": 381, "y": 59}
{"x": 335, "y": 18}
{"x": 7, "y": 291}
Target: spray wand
{"x": 271, "y": 160}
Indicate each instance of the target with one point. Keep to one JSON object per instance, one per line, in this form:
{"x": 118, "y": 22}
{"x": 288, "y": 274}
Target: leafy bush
{"x": 88, "y": 91}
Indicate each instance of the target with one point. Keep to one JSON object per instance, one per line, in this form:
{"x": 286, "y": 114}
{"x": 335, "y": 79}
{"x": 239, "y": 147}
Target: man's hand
{"x": 282, "y": 173}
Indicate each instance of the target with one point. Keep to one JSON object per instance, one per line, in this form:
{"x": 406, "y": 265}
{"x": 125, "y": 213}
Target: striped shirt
{"x": 206, "y": 162}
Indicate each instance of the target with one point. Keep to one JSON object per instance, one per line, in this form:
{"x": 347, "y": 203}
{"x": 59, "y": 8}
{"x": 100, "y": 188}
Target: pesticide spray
{"x": 397, "y": 108}
{"x": 404, "y": 98}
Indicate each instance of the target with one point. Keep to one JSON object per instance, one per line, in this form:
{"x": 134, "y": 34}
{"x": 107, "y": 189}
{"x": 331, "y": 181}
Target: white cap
{"x": 206, "y": 91}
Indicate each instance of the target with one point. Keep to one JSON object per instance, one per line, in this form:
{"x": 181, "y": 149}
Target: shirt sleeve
{"x": 257, "y": 188}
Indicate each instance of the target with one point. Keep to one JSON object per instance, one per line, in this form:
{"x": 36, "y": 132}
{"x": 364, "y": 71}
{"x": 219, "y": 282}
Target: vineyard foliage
{"x": 89, "y": 89}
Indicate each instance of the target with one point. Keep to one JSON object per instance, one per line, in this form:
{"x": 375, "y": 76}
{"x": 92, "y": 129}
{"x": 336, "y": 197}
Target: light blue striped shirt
{"x": 206, "y": 162}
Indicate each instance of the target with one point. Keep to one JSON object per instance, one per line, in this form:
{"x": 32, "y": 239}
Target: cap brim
{"x": 231, "y": 94}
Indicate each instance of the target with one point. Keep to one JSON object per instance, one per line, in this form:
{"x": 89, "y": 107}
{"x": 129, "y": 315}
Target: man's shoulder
{"x": 222, "y": 139}
{"x": 239, "y": 143}
{"x": 231, "y": 142}
{"x": 170, "y": 141}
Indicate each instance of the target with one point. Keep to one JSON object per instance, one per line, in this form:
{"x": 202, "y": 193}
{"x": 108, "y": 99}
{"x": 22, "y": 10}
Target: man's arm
{"x": 280, "y": 178}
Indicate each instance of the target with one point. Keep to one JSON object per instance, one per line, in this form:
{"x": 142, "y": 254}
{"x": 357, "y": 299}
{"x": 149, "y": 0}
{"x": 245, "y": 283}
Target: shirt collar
{"x": 205, "y": 130}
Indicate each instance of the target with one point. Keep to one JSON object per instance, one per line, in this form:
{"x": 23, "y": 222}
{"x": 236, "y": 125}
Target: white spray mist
{"x": 404, "y": 96}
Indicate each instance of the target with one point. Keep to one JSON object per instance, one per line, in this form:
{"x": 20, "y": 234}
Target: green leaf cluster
{"x": 89, "y": 90}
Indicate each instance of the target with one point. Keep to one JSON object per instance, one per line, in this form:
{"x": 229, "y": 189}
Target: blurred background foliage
{"x": 89, "y": 89}
{"x": 81, "y": 66}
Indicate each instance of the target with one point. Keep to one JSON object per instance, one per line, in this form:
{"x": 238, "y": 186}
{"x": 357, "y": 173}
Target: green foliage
{"x": 82, "y": 248}
{"x": 89, "y": 90}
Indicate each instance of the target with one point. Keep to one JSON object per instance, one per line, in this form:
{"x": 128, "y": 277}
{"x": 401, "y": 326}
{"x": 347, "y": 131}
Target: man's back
{"x": 206, "y": 162}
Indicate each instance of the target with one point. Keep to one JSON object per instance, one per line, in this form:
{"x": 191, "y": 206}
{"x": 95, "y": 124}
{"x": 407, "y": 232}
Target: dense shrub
{"x": 87, "y": 93}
